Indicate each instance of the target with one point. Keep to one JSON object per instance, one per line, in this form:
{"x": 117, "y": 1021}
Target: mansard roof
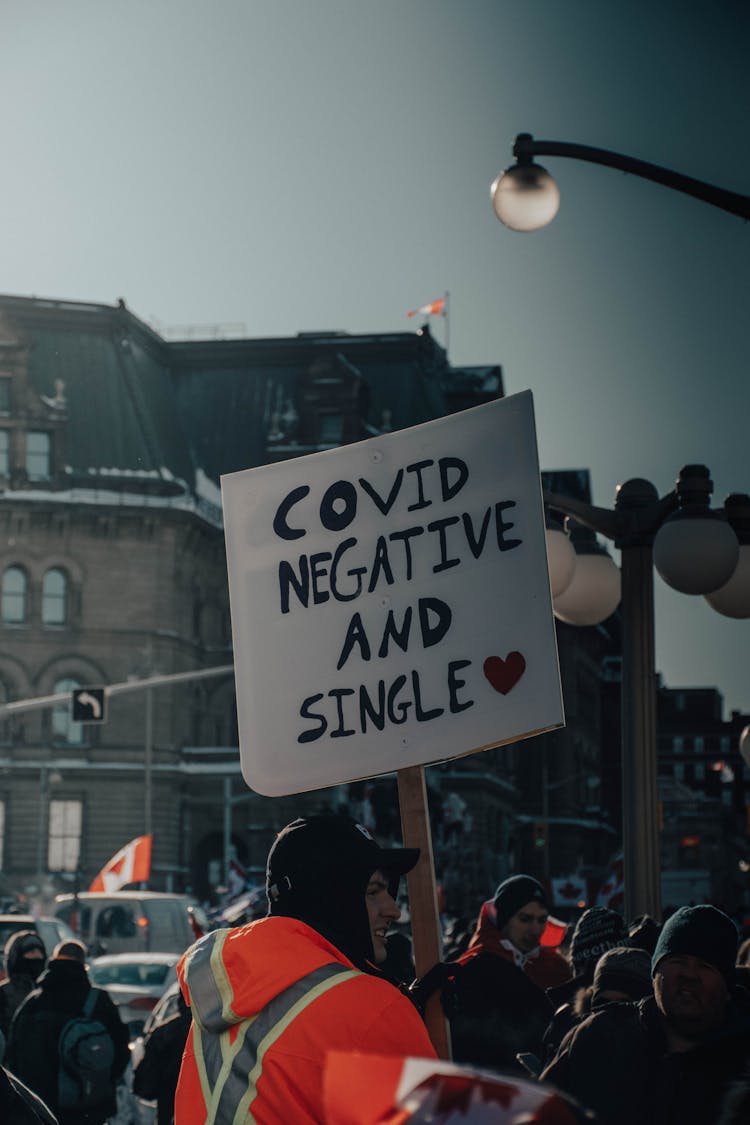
{"x": 141, "y": 411}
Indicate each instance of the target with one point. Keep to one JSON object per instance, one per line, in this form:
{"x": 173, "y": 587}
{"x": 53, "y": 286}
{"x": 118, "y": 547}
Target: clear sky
{"x": 294, "y": 165}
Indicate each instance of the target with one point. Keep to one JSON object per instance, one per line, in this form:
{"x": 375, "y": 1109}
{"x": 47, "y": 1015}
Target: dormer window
{"x": 38, "y": 448}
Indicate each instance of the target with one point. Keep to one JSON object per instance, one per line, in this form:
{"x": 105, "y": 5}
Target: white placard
{"x": 390, "y": 601}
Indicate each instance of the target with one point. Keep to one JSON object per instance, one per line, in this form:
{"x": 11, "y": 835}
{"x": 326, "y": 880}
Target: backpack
{"x": 86, "y": 1053}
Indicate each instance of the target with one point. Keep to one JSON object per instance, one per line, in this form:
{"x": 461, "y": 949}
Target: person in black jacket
{"x": 156, "y": 1075}
{"x": 24, "y": 960}
{"x": 673, "y": 1057}
{"x": 32, "y": 1050}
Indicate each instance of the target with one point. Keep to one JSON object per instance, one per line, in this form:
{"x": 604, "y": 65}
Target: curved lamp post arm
{"x": 526, "y": 148}
{"x": 637, "y": 516}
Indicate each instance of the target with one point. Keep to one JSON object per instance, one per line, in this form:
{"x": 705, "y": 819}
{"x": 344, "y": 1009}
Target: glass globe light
{"x": 561, "y": 560}
{"x": 745, "y": 745}
{"x": 594, "y": 591}
{"x": 695, "y": 550}
{"x": 525, "y": 197}
{"x": 733, "y": 598}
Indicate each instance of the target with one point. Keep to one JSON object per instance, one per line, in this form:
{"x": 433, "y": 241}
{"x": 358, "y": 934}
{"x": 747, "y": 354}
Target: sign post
{"x": 425, "y": 920}
{"x": 391, "y": 608}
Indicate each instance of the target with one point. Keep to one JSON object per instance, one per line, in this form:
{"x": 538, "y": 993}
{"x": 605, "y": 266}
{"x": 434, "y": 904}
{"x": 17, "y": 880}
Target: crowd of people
{"x": 641, "y": 1022}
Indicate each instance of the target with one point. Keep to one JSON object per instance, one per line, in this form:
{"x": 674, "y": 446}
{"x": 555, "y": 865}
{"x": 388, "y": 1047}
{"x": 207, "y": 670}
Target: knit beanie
{"x": 623, "y": 970}
{"x": 515, "y": 892}
{"x": 597, "y": 930}
{"x": 703, "y": 932}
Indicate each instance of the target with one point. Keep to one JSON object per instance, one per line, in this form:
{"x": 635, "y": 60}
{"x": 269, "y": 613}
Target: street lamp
{"x": 525, "y": 197}
{"x": 696, "y": 550}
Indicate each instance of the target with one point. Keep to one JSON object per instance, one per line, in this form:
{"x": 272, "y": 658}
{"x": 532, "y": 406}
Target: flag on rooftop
{"x": 434, "y": 308}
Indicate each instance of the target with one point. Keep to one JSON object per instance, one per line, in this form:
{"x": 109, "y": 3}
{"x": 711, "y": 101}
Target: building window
{"x": 698, "y": 745}
{"x": 4, "y": 451}
{"x": 38, "y": 455}
{"x": 4, "y": 394}
{"x": 63, "y": 727}
{"x": 2, "y": 835}
{"x": 55, "y": 597}
{"x": 14, "y": 596}
{"x": 678, "y": 744}
{"x": 330, "y": 428}
{"x": 64, "y": 840}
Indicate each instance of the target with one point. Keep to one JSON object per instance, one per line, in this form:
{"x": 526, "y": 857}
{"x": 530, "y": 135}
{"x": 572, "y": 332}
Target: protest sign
{"x": 390, "y": 601}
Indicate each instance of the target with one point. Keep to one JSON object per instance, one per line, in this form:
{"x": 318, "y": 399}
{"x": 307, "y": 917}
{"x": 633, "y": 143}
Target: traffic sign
{"x": 88, "y": 705}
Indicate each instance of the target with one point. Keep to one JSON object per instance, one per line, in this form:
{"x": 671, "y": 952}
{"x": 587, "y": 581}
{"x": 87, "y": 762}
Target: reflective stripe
{"x": 234, "y": 1070}
{"x": 210, "y": 993}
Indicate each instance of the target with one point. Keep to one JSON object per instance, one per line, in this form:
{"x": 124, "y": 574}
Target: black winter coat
{"x": 19, "y": 1106}
{"x": 20, "y": 983}
{"x": 156, "y": 1075}
{"x": 616, "y": 1062}
{"x": 32, "y": 1053}
{"x": 494, "y": 1010}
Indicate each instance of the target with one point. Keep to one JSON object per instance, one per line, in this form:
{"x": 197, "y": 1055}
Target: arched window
{"x": 63, "y": 727}
{"x": 14, "y": 596}
{"x": 55, "y": 597}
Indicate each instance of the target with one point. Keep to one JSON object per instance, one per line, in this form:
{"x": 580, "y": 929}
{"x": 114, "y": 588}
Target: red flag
{"x": 553, "y": 933}
{"x": 132, "y": 864}
{"x": 612, "y": 890}
{"x": 433, "y": 308}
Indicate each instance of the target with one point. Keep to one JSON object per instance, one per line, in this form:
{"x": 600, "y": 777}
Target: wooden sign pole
{"x": 425, "y": 921}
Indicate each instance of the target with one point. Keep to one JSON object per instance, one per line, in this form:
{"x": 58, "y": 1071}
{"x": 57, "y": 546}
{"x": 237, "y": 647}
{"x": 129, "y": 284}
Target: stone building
{"x": 112, "y": 571}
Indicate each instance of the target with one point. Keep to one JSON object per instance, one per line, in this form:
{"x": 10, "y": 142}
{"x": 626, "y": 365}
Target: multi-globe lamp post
{"x": 696, "y": 550}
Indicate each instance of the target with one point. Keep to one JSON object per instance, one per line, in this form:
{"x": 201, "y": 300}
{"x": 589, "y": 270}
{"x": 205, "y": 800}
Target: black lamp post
{"x": 525, "y": 197}
{"x": 695, "y": 550}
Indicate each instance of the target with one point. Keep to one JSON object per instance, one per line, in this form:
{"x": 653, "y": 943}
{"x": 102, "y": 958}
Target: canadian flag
{"x": 612, "y": 890}
{"x": 132, "y": 864}
{"x": 434, "y": 308}
{"x": 569, "y": 890}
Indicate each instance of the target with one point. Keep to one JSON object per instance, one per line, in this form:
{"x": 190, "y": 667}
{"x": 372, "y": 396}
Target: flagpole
{"x": 446, "y": 307}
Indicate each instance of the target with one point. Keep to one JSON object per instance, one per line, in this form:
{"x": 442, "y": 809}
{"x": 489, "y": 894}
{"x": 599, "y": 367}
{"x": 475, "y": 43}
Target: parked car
{"x": 135, "y": 982}
{"x": 50, "y": 930}
{"x": 128, "y": 921}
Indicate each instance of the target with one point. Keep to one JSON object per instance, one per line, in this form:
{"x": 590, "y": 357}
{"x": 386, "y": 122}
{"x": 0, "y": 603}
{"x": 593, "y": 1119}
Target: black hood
{"x": 17, "y": 945}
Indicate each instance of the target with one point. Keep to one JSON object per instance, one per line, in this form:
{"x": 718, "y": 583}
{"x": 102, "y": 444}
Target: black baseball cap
{"x": 317, "y": 871}
{"x": 330, "y": 843}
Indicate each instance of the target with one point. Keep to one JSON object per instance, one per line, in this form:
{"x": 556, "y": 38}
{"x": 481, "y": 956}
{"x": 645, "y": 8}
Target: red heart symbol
{"x": 504, "y": 674}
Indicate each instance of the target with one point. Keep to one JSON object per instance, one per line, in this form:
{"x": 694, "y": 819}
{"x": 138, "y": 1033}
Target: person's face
{"x": 526, "y": 926}
{"x": 381, "y": 911}
{"x": 32, "y": 962}
{"x": 691, "y": 994}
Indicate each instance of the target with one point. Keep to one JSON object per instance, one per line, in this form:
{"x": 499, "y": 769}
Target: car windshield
{"x": 128, "y": 972}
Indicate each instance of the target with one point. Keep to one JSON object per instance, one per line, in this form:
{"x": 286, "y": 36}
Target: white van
{"x": 128, "y": 921}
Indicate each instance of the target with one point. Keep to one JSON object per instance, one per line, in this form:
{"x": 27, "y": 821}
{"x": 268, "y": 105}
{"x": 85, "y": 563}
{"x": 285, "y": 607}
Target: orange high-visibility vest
{"x": 269, "y": 1000}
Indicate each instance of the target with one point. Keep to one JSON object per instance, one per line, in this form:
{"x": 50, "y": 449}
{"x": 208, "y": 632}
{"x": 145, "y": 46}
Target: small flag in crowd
{"x": 569, "y": 890}
{"x": 612, "y": 890}
{"x": 132, "y": 864}
{"x": 434, "y": 308}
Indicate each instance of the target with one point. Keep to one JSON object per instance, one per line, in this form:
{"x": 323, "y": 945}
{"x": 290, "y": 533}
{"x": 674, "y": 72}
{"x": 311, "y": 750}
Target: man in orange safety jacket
{"x": 271, "y": 998}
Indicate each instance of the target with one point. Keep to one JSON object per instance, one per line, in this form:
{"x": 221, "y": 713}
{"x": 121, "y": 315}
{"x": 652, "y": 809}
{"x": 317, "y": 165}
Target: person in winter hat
{"x": 597, "y": 930}
{"x": 277, "y": 994}
{"x": 24, "y": 960}
{"x": 33, "y": 1054}
{"x": 674, "y": 1056}
{"x": 621, "y": 976}
{"x": 511, "y": 926}
{"x": 493, "y": 994}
